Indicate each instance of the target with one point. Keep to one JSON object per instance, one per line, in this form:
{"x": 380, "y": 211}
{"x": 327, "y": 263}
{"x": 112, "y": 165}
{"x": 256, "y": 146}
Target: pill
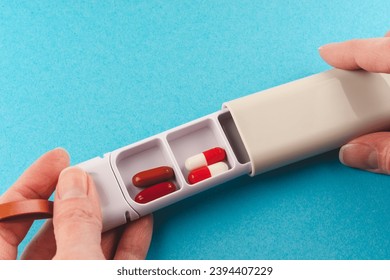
{"x": 208, "y": 157}
{"x": 153, "y": 176}
{"x": 155, "y": 191}
{"x": 205, "y": 172}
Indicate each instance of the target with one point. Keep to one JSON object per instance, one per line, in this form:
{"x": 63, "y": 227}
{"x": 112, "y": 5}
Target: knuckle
{"x": 78, "y": 215}
{"x": 8, "y": 236}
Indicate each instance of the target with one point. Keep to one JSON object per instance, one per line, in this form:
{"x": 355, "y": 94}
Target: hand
{"x": 370, "y": 152}
{"x": 77, "y": 221}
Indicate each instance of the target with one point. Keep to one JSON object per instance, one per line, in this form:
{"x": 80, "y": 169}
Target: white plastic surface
{"x": 316, "y": 114}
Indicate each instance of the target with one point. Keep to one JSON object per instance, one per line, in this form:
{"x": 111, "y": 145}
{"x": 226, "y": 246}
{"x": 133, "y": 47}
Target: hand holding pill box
{"x": 250, "y": 135}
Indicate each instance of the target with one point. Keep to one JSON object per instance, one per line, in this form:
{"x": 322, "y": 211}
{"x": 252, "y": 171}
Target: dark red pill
{"x": 153, "y": 176}
{"x": 155, "y": 191}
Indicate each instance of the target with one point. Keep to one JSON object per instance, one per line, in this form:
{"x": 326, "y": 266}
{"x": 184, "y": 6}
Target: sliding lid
{"x": 309, "y": 116}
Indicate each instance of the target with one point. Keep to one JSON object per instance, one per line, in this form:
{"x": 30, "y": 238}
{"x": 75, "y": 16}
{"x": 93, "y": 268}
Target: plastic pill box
{"x": 259, "y": 132}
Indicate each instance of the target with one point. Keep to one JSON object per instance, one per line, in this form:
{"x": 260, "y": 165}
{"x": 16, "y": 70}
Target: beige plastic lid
{"x": 309, "y": 116}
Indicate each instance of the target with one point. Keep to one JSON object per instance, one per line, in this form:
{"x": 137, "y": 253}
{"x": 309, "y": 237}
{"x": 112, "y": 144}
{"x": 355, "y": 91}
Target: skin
{"x": 75, "y": 230}
{"x": 369, "y": 152}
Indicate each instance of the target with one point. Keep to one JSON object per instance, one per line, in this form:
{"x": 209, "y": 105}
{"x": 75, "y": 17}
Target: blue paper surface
{"x": 93, "y": 77}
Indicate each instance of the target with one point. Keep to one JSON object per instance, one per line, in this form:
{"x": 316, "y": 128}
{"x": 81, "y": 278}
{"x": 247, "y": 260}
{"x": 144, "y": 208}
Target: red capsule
{"x": 155, "y": 191}
{"x": 205, "y": 172}
{"x": 153, "y": 176}
{"x": 208, "y": 157}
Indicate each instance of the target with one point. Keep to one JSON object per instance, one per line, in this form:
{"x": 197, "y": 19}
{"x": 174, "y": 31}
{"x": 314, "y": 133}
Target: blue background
{"x": 93, "y": 77}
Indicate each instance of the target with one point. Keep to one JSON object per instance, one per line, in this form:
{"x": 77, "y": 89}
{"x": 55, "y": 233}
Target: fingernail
{"x": 61, "y": 150}
{"x": 321, "y": 48}
{"x": 359, "y": 156}
{"x": 327, "y": 46}
{"x": 73, "y": 183}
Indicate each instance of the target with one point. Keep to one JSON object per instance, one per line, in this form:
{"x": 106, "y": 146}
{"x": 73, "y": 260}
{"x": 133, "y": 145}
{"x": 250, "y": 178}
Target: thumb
{"x": 370, "y": 152}
{"x": 77, "y": 218}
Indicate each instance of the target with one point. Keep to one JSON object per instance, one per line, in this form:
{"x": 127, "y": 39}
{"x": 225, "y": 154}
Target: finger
{"x": 43, "y": 245}
{"x": 38, "y": 181}
{"x": 370, "y": 152}
{"x": 135, "y": 241}
{"x": 387, "y": 34}
{"x": 77, "y": 219}
{"x": 369, "y": 54}
{"x": 110, "y": 240}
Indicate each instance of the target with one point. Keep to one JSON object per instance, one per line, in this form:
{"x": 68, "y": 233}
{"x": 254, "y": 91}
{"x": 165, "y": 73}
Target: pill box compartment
{"x": 233, "y": 136}
{"x": 147, "y": 155}
{"x": 172, "y": 148}
{"x": 194, "y": 139}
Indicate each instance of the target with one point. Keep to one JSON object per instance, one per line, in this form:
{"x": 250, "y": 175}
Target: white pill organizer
{"x": 259, "y": 132}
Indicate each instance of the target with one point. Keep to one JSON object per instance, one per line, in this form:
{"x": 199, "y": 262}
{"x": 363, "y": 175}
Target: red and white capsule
{"x": 205, "y": 172}
{"x": 205, "y": 158}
